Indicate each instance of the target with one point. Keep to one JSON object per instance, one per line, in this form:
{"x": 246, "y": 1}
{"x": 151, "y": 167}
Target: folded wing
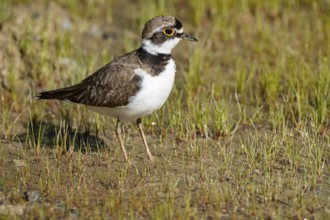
{"x": 110, "y": 86}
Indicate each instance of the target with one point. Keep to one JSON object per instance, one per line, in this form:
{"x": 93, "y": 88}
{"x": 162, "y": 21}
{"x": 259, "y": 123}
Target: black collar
{"x": 156, "y": 62}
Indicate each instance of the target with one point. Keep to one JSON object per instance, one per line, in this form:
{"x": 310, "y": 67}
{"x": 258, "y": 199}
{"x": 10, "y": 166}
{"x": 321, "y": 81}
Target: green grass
{"x": 245, "y": 133}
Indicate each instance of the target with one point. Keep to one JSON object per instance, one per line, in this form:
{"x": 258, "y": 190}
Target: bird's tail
{"x": 71, "y": 93}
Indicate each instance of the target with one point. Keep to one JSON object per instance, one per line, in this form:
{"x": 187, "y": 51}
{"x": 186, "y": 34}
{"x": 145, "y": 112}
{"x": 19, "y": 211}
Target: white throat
{"x": 164, "y": 48}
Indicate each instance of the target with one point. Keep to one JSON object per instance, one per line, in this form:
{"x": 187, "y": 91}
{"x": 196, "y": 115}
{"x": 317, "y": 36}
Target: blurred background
{"x": 261, "y": 53}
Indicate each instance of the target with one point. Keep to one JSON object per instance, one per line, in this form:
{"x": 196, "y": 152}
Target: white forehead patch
{"x": 180, "y": 31}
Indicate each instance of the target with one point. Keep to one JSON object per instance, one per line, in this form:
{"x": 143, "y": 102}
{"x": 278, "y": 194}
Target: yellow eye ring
{"x": 168, "y": 32}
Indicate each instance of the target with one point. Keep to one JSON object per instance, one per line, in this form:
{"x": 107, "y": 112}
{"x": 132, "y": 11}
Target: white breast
{"x": 152, "y": 95}
{"x": 154, "y": 90}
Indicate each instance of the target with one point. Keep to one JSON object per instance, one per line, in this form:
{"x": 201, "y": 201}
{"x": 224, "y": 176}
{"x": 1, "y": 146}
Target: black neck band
{"x": 156, "y": 61}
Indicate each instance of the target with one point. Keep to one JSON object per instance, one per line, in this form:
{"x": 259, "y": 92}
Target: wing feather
{"x": 110, "y": 86}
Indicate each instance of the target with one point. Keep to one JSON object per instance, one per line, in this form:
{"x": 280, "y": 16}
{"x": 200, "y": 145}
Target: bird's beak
{"x": 186, "y": 36}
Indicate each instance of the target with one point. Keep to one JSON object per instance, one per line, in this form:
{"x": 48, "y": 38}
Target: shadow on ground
{"x": 40, "y": 133}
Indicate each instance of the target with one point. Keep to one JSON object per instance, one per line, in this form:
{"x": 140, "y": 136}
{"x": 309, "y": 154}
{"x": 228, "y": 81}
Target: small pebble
{"x": 60, "y": 205}
{"x": 94, "y": 30}
{"x": 105, "y": 35}
{"x": 19, "y": 163}
{"x": 66, "y": 25}
{"x": 33, "y": 196}
{"x": 74, "y": 213}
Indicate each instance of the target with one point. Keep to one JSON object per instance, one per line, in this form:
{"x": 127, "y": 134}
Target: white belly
{"x": 152, "y": 95}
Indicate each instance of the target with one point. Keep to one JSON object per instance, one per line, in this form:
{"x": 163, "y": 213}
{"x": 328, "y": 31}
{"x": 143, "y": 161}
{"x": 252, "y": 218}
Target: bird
{"x": 135, "y": 84}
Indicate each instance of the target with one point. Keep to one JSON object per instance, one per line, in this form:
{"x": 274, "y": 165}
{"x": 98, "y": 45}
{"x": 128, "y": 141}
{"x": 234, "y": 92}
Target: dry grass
{"x": 245, "y": 133}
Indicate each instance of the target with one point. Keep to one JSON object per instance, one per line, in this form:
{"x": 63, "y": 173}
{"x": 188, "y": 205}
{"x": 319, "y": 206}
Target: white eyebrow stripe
{"x": 158, "y": 29}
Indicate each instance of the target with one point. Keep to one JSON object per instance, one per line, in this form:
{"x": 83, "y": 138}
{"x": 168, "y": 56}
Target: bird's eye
{"x": 168, "y": 32}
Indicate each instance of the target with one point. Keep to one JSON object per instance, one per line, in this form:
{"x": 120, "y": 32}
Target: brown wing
{"x": 110, "y": 86}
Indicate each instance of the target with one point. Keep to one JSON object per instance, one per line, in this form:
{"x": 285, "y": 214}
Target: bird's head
{"x": 162, "y": 33}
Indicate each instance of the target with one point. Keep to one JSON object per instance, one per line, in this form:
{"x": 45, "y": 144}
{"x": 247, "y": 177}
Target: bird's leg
{"x": 139, "y": 124}
{"x": 118, "y": 134}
